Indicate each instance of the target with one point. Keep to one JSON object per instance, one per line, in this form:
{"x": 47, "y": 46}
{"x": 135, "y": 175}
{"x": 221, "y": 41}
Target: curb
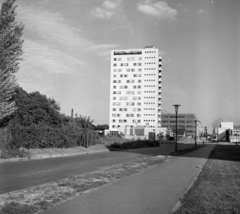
{"x": 179, "y": 202}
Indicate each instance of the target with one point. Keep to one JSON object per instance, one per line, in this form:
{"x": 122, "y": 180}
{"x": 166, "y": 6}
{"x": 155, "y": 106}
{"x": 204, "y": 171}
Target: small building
{"x": 181, "y": 133}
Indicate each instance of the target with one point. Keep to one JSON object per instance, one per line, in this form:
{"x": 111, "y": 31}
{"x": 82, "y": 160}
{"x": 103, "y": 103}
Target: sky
{"x": 67, "y": 46}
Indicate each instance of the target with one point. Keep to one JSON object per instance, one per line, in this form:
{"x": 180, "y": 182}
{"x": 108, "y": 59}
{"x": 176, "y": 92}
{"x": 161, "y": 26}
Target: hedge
{"x": 43, "y": 136}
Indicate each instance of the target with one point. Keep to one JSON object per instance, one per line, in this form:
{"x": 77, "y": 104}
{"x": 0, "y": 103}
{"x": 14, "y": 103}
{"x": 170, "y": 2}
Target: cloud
{"x": 54, "y": 29}
{"x": 48, "y": 59}
{"x": 201, "y": 11}
{"x": 51, "y": 26}
{"x": 160, "y": 9}
{"x": 108, "y": 9}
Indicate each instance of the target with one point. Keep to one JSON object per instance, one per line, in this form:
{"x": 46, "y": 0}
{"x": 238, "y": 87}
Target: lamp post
{"x": 176, "y": 110}
{"x": 196, "y": 132}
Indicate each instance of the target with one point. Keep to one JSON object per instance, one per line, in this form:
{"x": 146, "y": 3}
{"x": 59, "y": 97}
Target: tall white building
{"x": 135, "y": 88}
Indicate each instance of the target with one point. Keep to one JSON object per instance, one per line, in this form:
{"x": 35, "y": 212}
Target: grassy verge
{"x": 42, "y": 197}
{"x": 133, "y": 145}
{"x": 187, "y": 150}
{"x": 217, "y": 189}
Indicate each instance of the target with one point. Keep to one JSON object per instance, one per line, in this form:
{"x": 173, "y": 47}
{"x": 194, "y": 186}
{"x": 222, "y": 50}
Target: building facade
{"x": 135, "y": 88}
{"x": 184, "y": 121}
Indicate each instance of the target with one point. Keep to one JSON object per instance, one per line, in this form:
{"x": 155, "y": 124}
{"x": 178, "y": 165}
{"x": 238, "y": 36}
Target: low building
{"x": 142, "y": 132}
{"x": 184, "y": 121}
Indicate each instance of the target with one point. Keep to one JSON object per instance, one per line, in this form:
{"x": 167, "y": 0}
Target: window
{"x": 114, "y": 98}
{"x": 139, "y": 81}
{"x": 114, "y": 109}
{"x": 114, "y": 59}
{"x": 114, "y": 86}
{"x": 115, "y": 64}
{"x": 115, "y": 75}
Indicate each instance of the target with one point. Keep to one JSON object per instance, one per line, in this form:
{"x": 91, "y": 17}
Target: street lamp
{"x": 195, "y": 132}
{"x": 176, "y": 110}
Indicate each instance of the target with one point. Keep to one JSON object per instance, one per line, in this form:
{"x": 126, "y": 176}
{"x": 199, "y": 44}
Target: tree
{"x": 10, "y": 53}
{"x": 35, "y": 108}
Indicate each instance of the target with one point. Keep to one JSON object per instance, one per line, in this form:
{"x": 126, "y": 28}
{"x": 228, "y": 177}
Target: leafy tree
{"x": 35, "y": 108}
{"x": 10, "y": 53}
{"x": 84, "y": 122}
{"x": 102, "y": 127}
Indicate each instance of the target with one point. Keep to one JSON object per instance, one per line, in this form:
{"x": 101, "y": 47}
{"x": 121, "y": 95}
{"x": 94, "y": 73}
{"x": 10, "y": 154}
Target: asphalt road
{"x": 20, "y": 175}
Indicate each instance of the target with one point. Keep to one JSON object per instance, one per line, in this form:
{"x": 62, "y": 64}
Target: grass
{"x": 133, "y": 144}
{"x": 217, "y": 189}
{"x": 42, "y": 197}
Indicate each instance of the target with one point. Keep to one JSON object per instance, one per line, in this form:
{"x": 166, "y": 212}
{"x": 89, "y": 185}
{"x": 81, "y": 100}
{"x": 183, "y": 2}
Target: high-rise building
{"x": 135, "y": 88}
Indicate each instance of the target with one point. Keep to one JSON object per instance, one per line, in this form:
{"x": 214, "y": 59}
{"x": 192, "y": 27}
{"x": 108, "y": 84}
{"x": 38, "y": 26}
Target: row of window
{"x": 128, "y": 70}
{"x": 125, "y": 121}
{"x": 179, "y": 116}
{"x": 173, "y": 121}
{"x": 128, "y": 59}
{"x": 125, "y": 75}
{"x": 149, "y": 74}
{"x": 150, "y": 51}
{"x": 149, "y": 103}
{"x": 149, "y": 114}
{"x": 148, "y": 63}
{"x": 133, "y": 92}
{"x": 150, "y": 57}
{"x": 150, "y": 80}
{"x": 149, "y": 108}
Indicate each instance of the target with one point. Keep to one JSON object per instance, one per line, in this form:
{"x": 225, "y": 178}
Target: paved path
{"x": 23, "y": 174}
{"x": 156, "y": 190}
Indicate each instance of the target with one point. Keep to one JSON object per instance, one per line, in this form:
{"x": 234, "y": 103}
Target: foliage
{"x": 44, "y": 136}
{"x": 35, "y": 108}
{"x": 102, "y": 127}
{"x": 10, "y": 52}
{"x": 133, "y": 144}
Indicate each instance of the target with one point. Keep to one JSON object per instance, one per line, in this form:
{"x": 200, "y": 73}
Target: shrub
{"x": 44, "y": 136}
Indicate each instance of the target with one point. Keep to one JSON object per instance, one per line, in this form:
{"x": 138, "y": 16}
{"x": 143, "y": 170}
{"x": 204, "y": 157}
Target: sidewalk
{"x": 156, "y": 190}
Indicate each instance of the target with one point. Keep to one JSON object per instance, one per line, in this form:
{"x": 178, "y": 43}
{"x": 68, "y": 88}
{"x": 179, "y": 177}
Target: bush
{"x": 133, "y": 144}
{"x": 44, "y": 136}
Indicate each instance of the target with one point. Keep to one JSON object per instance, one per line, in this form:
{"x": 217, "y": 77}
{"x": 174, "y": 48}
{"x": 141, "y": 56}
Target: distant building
{"x": 185, "y": 121}
{"x": 135, "y": 89}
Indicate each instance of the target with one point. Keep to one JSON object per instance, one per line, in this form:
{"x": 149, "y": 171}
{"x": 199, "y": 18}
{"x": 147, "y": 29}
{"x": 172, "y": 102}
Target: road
{"x": 20, "y": 175}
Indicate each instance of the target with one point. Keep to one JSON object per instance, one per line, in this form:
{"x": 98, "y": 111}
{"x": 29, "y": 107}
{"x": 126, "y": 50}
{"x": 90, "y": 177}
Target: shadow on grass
{"x": 153, "y": 148}
{"x": 226, "y": 152}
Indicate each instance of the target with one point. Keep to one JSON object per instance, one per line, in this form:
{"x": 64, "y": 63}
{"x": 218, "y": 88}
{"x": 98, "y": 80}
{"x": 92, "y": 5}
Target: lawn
{"x": 217, "y": 189}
